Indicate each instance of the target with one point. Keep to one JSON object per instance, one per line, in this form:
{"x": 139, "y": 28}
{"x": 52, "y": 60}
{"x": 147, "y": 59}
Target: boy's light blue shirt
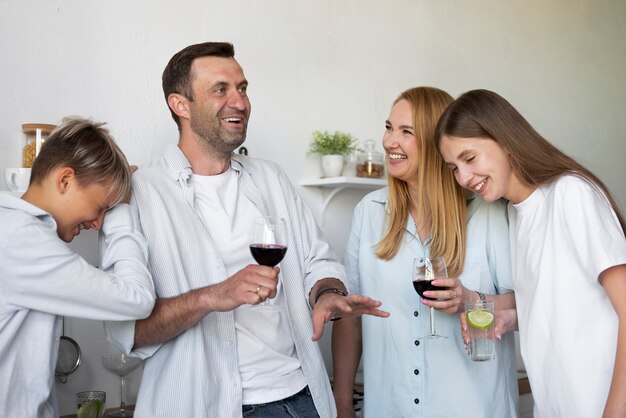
{"x": 406, "y": 376}
{"x": 41, "y": 279}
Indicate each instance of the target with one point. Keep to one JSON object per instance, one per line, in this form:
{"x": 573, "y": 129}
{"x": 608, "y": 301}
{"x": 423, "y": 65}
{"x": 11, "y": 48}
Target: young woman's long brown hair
{"x": 485, "y": 114}
{"x": 441, "y": 199}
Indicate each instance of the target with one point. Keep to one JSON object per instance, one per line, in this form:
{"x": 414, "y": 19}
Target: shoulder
{"x": 478, "y": 209}
{"x": 572, "y": 189}
{"x": 378, "y": 199}
{"x": 257, "y": 165}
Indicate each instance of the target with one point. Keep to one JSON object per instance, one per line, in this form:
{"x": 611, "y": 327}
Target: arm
{"x": 171, "y": 317}
{"x": 346, "y": 349}
{"x": 614, "y": 282}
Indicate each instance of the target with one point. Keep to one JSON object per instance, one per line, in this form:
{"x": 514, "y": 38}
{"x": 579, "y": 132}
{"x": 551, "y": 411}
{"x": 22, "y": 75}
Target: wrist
{"x": 325, "y": 290}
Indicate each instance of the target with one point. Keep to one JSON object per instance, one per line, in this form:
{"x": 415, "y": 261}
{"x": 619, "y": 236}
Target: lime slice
{"x": 480, "y": 319}
{"x": 90, "y": 409}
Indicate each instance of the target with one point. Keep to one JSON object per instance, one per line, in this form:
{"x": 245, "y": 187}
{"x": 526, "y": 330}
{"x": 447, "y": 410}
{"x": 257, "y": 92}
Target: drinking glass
{"x": 268, "y": 242}
{"x": 480, "y": 321}
{"x": 91, "y": 404}
{"x": 120, "y": 364}
{"x": 425, "y": 270}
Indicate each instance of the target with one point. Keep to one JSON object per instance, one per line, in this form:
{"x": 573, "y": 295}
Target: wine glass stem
{"x": 123, "y": 393}
{"x": 432, "y": 321}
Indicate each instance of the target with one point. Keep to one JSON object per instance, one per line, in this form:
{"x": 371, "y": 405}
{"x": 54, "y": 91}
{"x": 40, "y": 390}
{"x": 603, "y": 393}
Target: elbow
{"x": 145, "y": 304}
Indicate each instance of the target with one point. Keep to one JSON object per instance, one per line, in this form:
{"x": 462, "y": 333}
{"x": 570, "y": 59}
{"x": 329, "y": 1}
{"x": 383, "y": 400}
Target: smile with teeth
{"x": 480, "y": 185}
{"x": 397, "y": 157}
{"x": 233, "y": 120}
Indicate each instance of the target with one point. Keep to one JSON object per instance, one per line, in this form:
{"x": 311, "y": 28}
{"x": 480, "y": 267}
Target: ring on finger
{"x": 257, "y": 289}
{"x": 453, "y": 294}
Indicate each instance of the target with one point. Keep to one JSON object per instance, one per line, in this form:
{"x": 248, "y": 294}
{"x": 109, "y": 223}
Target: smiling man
{"x": 211, "y": 348}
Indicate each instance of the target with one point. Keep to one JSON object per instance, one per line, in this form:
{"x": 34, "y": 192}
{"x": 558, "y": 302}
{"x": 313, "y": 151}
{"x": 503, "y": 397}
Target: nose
{"x": 238, "y": 101}
{"x": 463, "y": 176}
{"x": 95, "y": 223}
{"x": 389, "y": 141}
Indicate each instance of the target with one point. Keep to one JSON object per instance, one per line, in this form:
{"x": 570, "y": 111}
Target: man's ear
{"x": 64, "y": 177}
{"x": 179, "y": 105}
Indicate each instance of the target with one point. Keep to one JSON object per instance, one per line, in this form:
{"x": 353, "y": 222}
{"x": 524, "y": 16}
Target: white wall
{"x": 326, "y": 64}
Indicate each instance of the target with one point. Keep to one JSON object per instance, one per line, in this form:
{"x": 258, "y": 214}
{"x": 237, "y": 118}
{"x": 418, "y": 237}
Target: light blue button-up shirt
{"x": 404, "y": 375}
{"x": 196, "y": 374}
{"x": 41, "y": 279}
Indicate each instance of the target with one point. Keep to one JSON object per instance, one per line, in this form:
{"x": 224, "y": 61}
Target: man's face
{"x": 220, "y": 110}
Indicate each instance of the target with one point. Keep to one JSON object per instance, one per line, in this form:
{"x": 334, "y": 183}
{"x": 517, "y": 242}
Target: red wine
{"x": 421, "y": 286}
{"x": 268, "y": 254}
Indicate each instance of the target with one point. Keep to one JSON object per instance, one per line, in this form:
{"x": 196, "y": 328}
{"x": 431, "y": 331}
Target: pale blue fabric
{"x": 41, "y": 279}
{"x": 196, "y": 374}
{"x": 406, "y": 376}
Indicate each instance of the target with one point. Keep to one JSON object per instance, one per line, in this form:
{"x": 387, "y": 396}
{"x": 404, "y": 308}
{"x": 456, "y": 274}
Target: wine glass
{"x": 425, "y": 270}
{"x": 120, "y": 364}
{"x": 268, "y": 242}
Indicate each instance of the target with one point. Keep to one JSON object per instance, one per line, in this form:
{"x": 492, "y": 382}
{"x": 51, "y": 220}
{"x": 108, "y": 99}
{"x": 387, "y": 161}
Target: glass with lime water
{"x": 91, "y": 404}
{"x": 480, "y": 322}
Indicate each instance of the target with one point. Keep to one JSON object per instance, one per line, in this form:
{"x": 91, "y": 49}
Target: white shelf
{"x": 346, "y": 182}
{"x": 337, "y": 184}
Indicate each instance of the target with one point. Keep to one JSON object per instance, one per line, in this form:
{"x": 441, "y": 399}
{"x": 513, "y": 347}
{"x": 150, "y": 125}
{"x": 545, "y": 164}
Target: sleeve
{"x": 351, "y": 255}
{"x": 318, "y": 258}
{"x": 121, "y": 334}
{"x": 498, "y": 251}
{"x": 45, "y": 275}
{"x": 589, "y": 224}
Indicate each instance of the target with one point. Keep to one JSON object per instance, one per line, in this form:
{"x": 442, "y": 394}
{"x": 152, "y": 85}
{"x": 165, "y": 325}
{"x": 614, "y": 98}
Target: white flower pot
{"x": 332, "y": 165}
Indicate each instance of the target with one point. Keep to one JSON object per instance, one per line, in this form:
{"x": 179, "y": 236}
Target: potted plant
{"x": 332, "y": 147}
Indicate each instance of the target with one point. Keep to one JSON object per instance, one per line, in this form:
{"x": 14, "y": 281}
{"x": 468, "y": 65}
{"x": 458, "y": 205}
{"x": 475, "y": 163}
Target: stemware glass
{"x": 120, "y": 364}
{"x": 425, "y": 270}
{"x": 268, "y": 242}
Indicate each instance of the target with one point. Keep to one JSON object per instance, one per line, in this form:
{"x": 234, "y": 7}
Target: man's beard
{"x": 217, "y": 139}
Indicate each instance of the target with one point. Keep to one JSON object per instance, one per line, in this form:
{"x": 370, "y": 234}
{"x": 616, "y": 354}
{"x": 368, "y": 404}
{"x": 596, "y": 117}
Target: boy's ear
{"x": 179, "y": 105}
{"x": 64, "y": 178}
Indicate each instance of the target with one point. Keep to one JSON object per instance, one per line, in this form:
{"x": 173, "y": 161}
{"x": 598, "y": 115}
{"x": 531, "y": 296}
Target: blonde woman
{"x": 423, "y": 212}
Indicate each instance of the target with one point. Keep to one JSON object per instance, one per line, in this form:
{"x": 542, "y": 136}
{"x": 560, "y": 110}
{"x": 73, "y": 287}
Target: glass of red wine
{"x": 425, "y": 270}
{"x": 268, "y": 241}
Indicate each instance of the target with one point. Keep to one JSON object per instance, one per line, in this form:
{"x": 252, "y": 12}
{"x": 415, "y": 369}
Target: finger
{"x": 370, "y": 311}
{"x": 319, "y": 321}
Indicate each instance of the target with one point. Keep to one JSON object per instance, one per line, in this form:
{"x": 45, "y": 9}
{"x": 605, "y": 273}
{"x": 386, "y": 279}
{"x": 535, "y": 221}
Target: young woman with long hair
{"x": 568, "y": 252}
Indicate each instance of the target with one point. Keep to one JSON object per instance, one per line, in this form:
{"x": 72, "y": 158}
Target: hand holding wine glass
{"x": 268, "y": 242}
{"x": 425, "y": 270}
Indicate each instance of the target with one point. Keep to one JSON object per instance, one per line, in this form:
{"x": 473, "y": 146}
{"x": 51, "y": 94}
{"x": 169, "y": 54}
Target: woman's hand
{"x": 505, "y": 321}
{"x": 448, "y": 300}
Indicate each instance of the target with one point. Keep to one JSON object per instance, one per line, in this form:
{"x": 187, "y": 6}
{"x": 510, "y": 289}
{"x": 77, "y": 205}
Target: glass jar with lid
{"x": 33, "y": 136}
{"x": 371, "y": 162}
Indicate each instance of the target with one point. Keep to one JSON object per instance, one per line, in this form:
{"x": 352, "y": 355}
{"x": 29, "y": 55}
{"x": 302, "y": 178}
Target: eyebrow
{"x": 463, "y": 154}
{"x": 401, "y": 126}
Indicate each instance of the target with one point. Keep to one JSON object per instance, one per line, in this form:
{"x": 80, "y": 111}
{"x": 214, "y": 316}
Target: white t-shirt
{"x": 562, "y": 237}
{"x": 268, "y": 363}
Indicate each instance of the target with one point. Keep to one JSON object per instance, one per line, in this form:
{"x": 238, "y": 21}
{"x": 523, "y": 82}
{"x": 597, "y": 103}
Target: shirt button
{"x": 417, "y": 342}
{"x": 416, "y": 313}
{"x": 416, "y": 372}
{"x": 416, "y": 401}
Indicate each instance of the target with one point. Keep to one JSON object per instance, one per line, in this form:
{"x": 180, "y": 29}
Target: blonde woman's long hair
{"x": 441, "y": 198}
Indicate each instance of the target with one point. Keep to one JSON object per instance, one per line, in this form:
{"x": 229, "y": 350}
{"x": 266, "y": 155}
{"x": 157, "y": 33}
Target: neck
{"x": 36, "y": 195}
{"x": 203, "y": 160}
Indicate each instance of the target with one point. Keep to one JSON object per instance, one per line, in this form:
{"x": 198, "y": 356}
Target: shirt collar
{"x": 8, "y": 201}
{"x": 181, "y": 168}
